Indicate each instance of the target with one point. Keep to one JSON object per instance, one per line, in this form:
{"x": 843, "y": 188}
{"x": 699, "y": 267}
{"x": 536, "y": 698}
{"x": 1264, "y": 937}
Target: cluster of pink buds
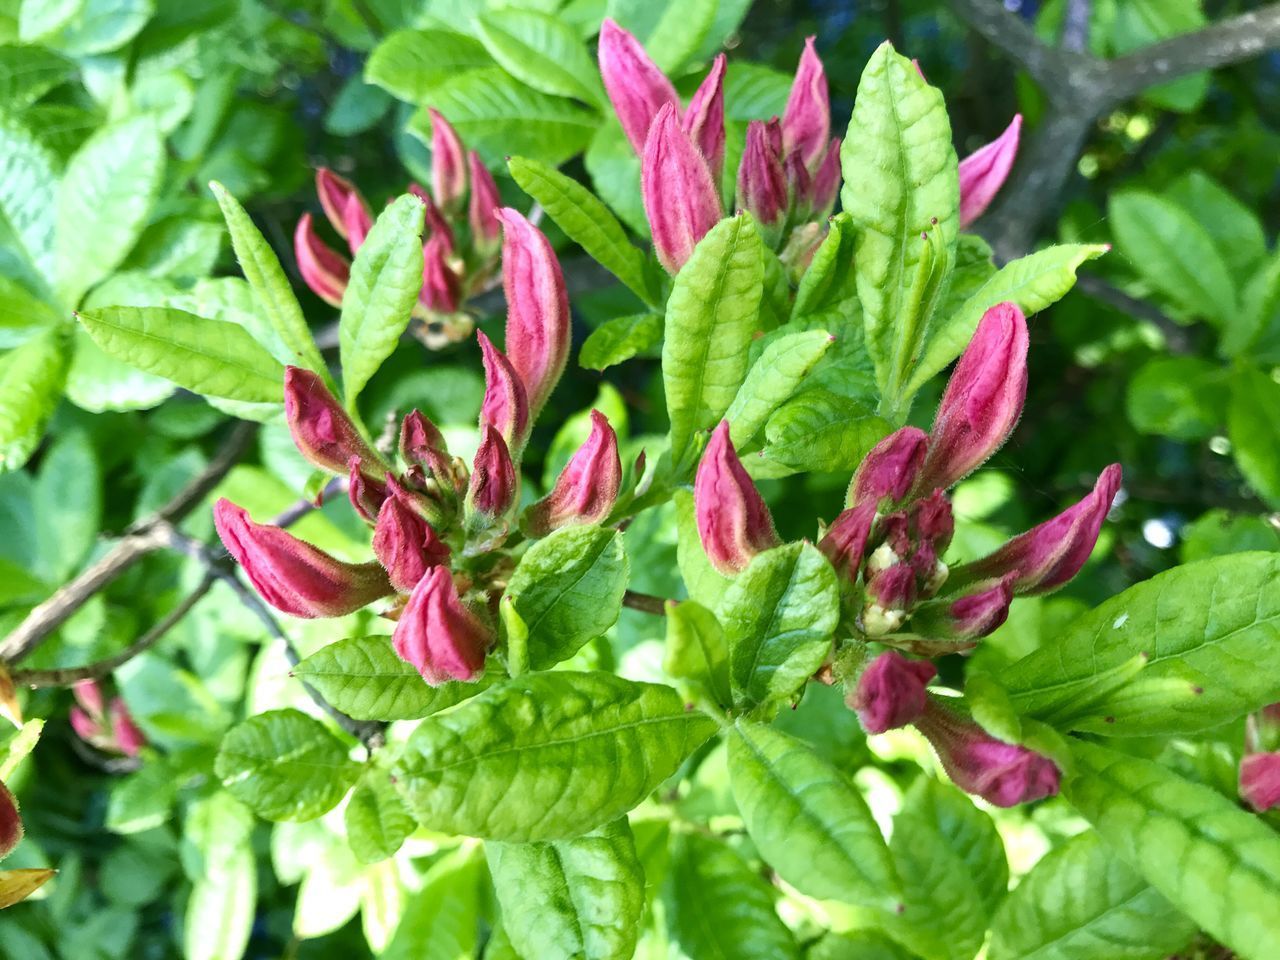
{"x": 107, "y": 726}
{"x": 1260, "y": 768}
{"x": 888, "y": 545}
{"x": 431, "y": 508}
{"x": 461, "y": 244}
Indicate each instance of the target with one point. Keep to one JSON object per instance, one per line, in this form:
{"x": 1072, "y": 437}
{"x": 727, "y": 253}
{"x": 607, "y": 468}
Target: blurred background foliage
{"x": 1164, "y": 359}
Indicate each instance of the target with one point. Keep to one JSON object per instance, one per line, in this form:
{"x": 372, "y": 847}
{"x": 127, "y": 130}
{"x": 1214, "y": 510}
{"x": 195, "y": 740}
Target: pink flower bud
{"x": 845, "y": 541}
{"x": 1003, "y": 774}
{"x": 826, "y": 180}
{"x": 587, "y": 487}
{"x": 293, "y": 576}
{"x": 365, "y": 493}
{"x": 537, "y": 338}
{"x": 448, "y": 162}
{"x": 494, "y": 485}
{"x": 435, "y": 223}
{"x": 984, "y": 171}
{"x": 506, "y": 406}
{"x": 404, "y": 542}
{"x": 762, "y": 182}
{"x": 637, "y": 88}
{"x": 89, "y": 695}
{"x": 934, "y": 521}
{"x": 982, "y": 401}
{"x": 891, "y": 593}
{"x": 486, "y": 230}
{"x": 321, "y": 429}
{"x": 85, "y": 727}
{"x": 1048, "y": 555}
{"x": 680, "y": 198}
{"x": 438, "y": 634}
{"x": 419, "y": 436}
{"x": 356, "y": 221}
{"x": 10, "y": 822}
{"x": 806, "y": 122}
{"x": 890, "y": 692}
{"x": 1260, "y": 780}
{"x": 889, "y": 471}
{"x": 970, "y": 617}
{"x": 441, "y": 288}
{"x": 799, "y": 184}
{"x": 323, "y": 270}
{"x": 126, "y": 736}
{"x": 704, "y": 120}
{"x": 335, "y": 193}
{"x": 733, "y": 521}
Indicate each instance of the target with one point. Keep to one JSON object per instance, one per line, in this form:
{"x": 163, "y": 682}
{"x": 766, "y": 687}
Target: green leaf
{"x": 497, "y": 116}
{"x": 1209, "y": 633}
{"x": 1254, "y": 431}
{"x": 27, "y": 204}
{"x": 1180, "y": 397}
{"x": 953, "y": 870}
{"x": 442, "y": 920}
{"x": 577, "y": 899}
{"x": 859, "y": 945}
{"x": 900, "y": 182}
{"x": 376, "y": 818}
{"x": 718, "y": 907}
{"x": 807, "y": 819}
{"x": 212, "y": 357}
{"x": 1174, "y": 253}
{"x": 365, "y": 679}
{"x": 270, "y": 286}
{"x": 1235, "y": 230}
{"x": 220, "y": 911}
{"x": 410, "y": 64}
{"x": 712, "y": 313}
{"x": 697, "y": 655}
{"x": 587, "y": 222}
{"x": 621, "y": 339}
{"x": 778, "y": 617}
{"x": 104, "y": 201}
{"x": 285, "y": 765}
{"x": 386, "y": 277}
{"x": 704, "y": 582}
{"x": 680, "y": 31}
{"x": 537, "y": 757}
{"x": 1141, "y": 23}
{"x": 68, "y": 506}
{"x": 28, "y": 73}
{"x": 143, "y": 800}
{"x": 568, "y": 589}
{"x": 829, "y": 279}
{"x": 772, "y": 379}
{"x": 542, "y": 51}
{"x": 1082, "y": 902}
{"x": 1032, "y": 282}
{"x": 822, "y": 431}
{"x": 31, "y": 379}
{"x": 1216, "y": 863}
{"x": 101, "y": 26}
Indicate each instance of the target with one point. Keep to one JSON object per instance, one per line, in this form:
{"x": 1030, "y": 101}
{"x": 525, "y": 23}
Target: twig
{"x": 645, "y": 603}
{"x": 1075, "y": 25}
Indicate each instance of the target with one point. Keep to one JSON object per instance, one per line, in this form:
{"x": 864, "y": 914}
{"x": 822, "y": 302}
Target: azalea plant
{"x": 763, "y": 680}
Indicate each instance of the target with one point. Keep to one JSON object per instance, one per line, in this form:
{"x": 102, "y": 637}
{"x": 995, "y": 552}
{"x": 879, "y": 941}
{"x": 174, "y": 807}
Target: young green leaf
{"x": 213, "y": 357}
{"x": 376, "y": 818}
{"x": 567, "y": 590}
{"x": 220, "y": 910}
{"x": 821, "y": 431}
{"x": 1180, "y": 397}
{"x": 697, "y": 655}
{"x": 578, "y": 899}
{"x": 778, "y": 617}
{"x": 712, "y": 314}
{"x": 536, "y": 757}
{"x": 1216, "y": 863}
{"x": 285, "y": 765}
{"x": 859, "y": 945}
{"x": 1207, "y": 631}
{"x": 1081, "y": 902}
{"x": 31, "y": 379}
{"x": 410, "y": 64}
{"x": 621, "y": 339}
{"x": 1254, "y": 432}
{"x": 28, "y": 73}
{"x": 830, "y": 278}
{"x": 385, "y": 279}
{"x": 679, "y": 32}
{"x": 27, "y": 204}
{"x": 772, "y": 379}
{"x": 1236, "y": 231}
{"x": 807, "y": 819}
{"x": 441, "y": 921}
{"x": 542, "y": 51}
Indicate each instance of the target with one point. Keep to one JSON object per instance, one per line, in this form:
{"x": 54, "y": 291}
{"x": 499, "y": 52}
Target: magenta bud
{"x": 441, "y": 288}
{"x": 537, "y": 338}
{"x": 1003, "y": 774}
{"x": 984, "y": 171}
{"x": 494, "y": 486}
{"x": 889, "y": 471}
{"x": 799, "y": 184}
{"x": 506, "y": 406}
{"x": 89, "y": 695}
{"x": 637, "y": 88}
{"x": 448, "y": 163}
{"x": 438, "y": 634}
{"x": 321, "y": 429}
{"x": 434, "y": 220}
{"x": 335, "y": 194}
{"x": 293, "y": 576}
{"x": 356, "y": 221}
{"x": 762, "y": 181}
{"x": 1260, "y": 780}
{"x": 982, "y": 401}
{"x": 891, "y": 593}
{"x": 826, "y": 181}
{"x": 418, "y": 435}
{"x": 806, "y": 122}
{"x": 934, "y": 521}
{"x": 86, "y": 728}
{"x": 126, "y": 736}
{"x": 704, "y": 120}
{"x": 733, "y": 521}
{"x": 680, "y": 197}
{"x": 971, "y": 617}
{"x": 364, "y": 491}
{"x": 890, "y": 692}
{"x": 486, "y": 229}
{"x": 10, "y": 822}
{"x": 323, "y": 270}
{"x": 1048, "y": 555}
{"x": 404, "y": 542}
{"x": 587, "y": 487}
{"x": 845, "y": 541}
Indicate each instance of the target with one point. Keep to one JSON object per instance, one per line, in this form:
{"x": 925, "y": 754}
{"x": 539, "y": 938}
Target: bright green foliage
{"x": 542, "y": 51}
{"x": 621, "y": 339}
{"x": 30, "y": 378}
{"x": 697, "y": 653}
{"x": 221, "y": 866}
{"x": 376, "y": 818}
{"x": 772, "y": 379}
